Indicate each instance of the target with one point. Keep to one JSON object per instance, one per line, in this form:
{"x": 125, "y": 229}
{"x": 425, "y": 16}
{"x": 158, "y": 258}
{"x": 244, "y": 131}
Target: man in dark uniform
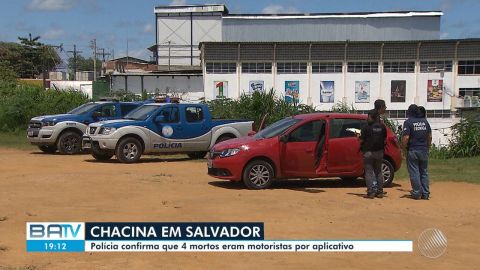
{"x": 380, "y": 106}
{"x": 372, "y": 141}
{"x": 417, "y": 138}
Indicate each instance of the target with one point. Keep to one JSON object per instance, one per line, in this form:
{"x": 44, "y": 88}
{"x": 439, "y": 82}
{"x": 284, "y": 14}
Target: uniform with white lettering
{"x": 419, "y": 132}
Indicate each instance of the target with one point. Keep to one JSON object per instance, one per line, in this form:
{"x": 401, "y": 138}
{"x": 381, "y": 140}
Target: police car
{"x": 161, "y": 128}
{"x": 64, "y": 131}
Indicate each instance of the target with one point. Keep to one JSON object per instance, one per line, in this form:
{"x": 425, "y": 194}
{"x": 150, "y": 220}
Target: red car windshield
{"x": 277, "y": 128}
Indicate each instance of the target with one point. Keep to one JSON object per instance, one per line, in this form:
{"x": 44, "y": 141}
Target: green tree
{"x": 35, "y": 57}
{"x": 7, "y": 73}
{"x": 11, "y": 53}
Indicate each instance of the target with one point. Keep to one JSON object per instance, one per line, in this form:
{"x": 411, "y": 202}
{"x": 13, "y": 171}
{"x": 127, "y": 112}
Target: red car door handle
{"x": 309, "y": 151}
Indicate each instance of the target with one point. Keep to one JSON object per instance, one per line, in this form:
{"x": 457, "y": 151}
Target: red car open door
{"x": 343, "y": 146}
{"x": 299, "y": 153}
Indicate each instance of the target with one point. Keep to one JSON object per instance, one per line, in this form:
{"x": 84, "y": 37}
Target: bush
{"x": 343, "y": 107}
{"x": 19, "y": 103}
{"x": 465, "y": 139}
{"x": 255, "y": 106}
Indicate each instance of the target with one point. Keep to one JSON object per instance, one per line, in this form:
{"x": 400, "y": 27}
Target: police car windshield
{"x": 277, "y": 128}
{"x": 141, "y": 113}
{"x": 83, "y": 108}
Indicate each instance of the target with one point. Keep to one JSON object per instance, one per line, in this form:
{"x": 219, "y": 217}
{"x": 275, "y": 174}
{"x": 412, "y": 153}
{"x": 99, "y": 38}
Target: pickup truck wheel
{"x": 69, "y": 143}
{"x": 224, "y": 138}
{"x": 49, "y": 149}
{"x": 388, "y": 173}
{"x": 129, "y": 150}
{"x": 258, "y": 174}
{"x": 102, "y": 156}
{"x": 197, "y": 155}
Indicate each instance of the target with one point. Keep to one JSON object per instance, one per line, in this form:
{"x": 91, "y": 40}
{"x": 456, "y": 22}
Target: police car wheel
{"x": 258, "y": 174}
{"x": 388, "y": 173}
{"x": 197, "y": 155}
{"x": 69, "y": 143}
{"x": 102, "y": 156}
{"x": 49, "y": 149}
{"x": 129, "y": 150}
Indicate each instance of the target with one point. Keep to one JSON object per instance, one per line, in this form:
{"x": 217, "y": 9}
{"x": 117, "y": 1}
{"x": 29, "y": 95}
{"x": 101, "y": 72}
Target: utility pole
{"x": 94, "y": 48}
{"x": 103, "y": 58}
{"x": 75, "y": 52}
{"x": 169, "y": 42}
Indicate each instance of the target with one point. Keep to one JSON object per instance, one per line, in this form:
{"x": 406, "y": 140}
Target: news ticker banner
{"x": 184, "y": 237}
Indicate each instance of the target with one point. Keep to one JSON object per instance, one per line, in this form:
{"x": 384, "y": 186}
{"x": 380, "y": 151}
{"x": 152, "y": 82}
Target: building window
{"x": 435, "y": 66}
{"x": 334, "y": 67}
{"x": 363, "y": 67}
{"x": 256, "y": 67}
{"x": 430, "y": 113}
{"x": 223, "y": 68}
{"x": 399, "y": 67}
{"x": 294, "y": 67}
{"x": 469, "y": 92}
{"x": 469, "y": 67}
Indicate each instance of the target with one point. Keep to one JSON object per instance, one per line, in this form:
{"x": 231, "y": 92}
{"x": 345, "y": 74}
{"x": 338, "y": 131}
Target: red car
{"x": 317, "y": 145}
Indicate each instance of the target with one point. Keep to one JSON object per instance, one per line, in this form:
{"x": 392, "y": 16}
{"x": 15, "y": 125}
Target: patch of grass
{"x": 455, "y": 169}
{"x": 15, "y": 139}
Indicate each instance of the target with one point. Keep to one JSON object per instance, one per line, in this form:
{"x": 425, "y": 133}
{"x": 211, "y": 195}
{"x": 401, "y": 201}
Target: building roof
{"x": 389, "y": 14}
{"x": 190, "y": 9}
{"x": 130, "y": 60}
{"x": 337, "y": 42}
{"x": 226, "y": 15}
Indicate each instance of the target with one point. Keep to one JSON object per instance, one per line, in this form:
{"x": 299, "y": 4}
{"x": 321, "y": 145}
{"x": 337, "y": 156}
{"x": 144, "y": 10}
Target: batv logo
{"x": 61, "y": 230}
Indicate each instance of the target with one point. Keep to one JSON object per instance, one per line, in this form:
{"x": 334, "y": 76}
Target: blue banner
{"x": 174, "y": 231}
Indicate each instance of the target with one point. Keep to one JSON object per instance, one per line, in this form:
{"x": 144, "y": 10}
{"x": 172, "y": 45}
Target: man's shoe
{"x": 416, "y": 197}
{"x": 370, "y": 195}
{"x": 379, "y": 195}
{"x": 425, "y": 197}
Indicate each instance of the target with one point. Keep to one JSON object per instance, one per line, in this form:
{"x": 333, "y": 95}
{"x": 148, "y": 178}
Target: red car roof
{"x": 322, "y": 115}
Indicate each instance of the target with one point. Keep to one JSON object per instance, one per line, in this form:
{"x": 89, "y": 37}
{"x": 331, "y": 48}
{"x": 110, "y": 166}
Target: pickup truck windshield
{"x": 141, "y": 113}
{"x": 83, "y": 108}
{"x": 277, "y": 128}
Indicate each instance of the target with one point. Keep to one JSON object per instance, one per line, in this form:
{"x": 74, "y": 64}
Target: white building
{"x": 436, "y": 74}
{"x": 180, "y": 29}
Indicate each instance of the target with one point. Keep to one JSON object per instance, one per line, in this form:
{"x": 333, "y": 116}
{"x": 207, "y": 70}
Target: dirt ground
{"x": 39, "y": 187}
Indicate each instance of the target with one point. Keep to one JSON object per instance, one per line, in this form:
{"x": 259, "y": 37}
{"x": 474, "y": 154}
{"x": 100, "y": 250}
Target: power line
{"x": 75, "y": 52}
{"x": 103, "y": 54}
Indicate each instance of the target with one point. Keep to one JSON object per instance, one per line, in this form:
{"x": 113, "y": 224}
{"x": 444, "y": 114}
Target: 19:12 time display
{"x": 56, "y": 246}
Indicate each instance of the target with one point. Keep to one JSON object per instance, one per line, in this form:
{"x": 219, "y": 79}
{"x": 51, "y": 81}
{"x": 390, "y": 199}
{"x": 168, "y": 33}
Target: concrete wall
{"x": 182, "y": 34}
{"x": 190, "y": 86}
{"x": 80, "y": 86}
{"x": 380, "y": 87}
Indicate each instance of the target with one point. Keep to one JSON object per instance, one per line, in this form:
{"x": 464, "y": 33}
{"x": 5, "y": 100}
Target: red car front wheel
{"x": 258, "y": 174}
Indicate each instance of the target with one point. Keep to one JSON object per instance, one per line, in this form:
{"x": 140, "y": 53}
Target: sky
{"x": 113, "y": 22}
